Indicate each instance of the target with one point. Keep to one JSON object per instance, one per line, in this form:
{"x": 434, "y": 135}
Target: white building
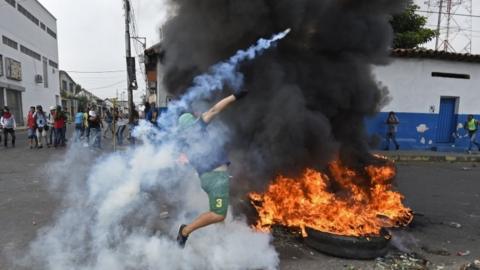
{"x": 432, "y": 93}
{"x": 28, "y": 57}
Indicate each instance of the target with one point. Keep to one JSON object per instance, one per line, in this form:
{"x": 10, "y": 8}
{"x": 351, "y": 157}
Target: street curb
{"x": 436, "y": 158}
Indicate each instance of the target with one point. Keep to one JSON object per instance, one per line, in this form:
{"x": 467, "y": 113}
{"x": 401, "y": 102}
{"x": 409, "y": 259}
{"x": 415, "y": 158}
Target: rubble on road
{"x": 402, "y": 261}
{"x": 475, "y": 265}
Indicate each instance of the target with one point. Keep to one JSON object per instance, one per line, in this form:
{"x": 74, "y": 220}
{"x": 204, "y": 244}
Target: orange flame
{"x": 345, "y": 206}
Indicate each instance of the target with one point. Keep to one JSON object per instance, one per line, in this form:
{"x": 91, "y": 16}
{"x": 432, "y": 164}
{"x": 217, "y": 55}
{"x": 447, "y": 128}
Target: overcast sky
{"x": 91, "y": 38}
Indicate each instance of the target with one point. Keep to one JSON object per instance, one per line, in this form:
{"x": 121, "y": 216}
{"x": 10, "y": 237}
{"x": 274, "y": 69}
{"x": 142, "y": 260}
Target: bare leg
{"x": 203, "y": 220}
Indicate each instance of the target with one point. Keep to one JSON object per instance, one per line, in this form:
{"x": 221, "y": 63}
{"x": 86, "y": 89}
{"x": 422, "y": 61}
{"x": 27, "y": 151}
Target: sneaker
{"x": 181, "y": 239}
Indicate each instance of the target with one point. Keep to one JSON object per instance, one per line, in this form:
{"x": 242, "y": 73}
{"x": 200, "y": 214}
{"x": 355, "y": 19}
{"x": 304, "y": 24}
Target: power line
{"x": 454, "y": 14}
{"x": 102, "y": 71}
{"x": 108, "y": 86}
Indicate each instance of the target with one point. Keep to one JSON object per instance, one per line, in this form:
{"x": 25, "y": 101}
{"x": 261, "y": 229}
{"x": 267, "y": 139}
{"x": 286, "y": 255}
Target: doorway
{"x": 447, "y": 120}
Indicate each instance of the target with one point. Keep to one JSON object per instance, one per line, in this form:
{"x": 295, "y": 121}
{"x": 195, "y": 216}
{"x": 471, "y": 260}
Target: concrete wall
{"x": 20, "y": 29}
{"x": 415, "y": 96}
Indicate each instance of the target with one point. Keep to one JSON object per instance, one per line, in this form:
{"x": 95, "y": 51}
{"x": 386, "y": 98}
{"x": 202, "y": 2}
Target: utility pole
{"x": 144, "y": 45}
{"x": 130, "y": 77}
{"x": 439, "y": 23}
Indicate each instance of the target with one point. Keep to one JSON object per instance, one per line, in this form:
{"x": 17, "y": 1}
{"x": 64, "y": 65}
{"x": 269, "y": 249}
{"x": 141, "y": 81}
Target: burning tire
{"x": 349, "y": 247}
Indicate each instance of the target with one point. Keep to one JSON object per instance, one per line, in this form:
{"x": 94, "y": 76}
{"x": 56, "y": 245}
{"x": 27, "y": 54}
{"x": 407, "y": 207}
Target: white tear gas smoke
{"x": 114, "y": 216}
{"x": 222, "y": 74}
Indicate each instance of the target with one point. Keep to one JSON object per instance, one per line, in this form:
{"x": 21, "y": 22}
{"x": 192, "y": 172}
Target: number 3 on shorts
{"x": 218, "y": 203}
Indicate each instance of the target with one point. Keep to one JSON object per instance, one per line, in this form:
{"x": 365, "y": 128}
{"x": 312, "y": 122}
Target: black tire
{"x": 349, "y": 247}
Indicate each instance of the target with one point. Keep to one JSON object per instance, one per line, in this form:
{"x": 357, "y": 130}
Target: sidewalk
{"x": 430, "y": 156}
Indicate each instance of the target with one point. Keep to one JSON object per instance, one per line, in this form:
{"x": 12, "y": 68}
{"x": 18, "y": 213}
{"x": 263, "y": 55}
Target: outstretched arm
{"x": 208, "y": 116}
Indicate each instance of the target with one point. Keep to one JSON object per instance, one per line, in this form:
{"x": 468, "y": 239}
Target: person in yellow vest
{"x": 472, "y": 127}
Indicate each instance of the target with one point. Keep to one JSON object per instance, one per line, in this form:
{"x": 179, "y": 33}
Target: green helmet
{"x": 186, "y": 120}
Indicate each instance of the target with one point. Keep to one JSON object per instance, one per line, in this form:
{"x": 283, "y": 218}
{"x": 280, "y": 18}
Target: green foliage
{"x": 410, "y": 30}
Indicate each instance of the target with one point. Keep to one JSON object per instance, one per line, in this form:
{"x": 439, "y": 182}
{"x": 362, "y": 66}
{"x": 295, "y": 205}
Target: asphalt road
{"x": 444, "y": 196}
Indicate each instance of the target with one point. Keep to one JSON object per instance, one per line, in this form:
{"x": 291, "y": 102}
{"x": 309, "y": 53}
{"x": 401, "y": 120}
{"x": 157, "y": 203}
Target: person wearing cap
{"x": 7, "y": 121}
{"x": 50, "y": 125}
{"x": 211, "y": 164}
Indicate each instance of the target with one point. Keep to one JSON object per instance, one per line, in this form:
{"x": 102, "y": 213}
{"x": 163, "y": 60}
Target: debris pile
{"x": 402, "y": 261}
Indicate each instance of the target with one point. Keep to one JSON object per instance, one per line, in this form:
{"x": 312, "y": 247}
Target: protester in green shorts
{"x": 211, "y": 166}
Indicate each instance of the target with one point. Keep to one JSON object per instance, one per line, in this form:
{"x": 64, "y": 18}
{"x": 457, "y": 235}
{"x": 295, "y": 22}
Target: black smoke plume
{"x": 309, "y": 96}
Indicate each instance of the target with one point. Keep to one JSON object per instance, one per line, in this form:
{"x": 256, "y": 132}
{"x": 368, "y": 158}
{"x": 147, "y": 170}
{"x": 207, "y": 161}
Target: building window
{"x": 11, "y": 2}
{"x": 9, "y": 42}
{"x": 1, "y": 66}
{"x": 53, "y": 64}
{"x": 13, "y": 69}
{"x": 64, "y": 85}
{"x": 42, "y": 25}
{"x": 451, "y": 75}
{"x": 31, "y": 53}
{"x": 51, "y": 33}
{"x": 45, "y": 72}
{"x": 27, "y": 14}
{"x": 71, "y": 87}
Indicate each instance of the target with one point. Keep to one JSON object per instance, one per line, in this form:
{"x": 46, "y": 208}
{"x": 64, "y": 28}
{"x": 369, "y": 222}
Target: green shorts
{"x": 216, "y": 185}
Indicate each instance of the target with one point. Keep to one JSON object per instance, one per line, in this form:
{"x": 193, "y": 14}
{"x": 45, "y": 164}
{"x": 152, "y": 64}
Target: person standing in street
{"x": 31, "y": 131}
{"x": 109, "y": 120}
{"x": 7, "y": 121}
{"x": 79, "y": 128}
{"x": 86, "y": 127}
{"x": 121, "y": 123}
{"x": 41, "y": 124}
{"x": 1, "y": 127}
{"x": 59, "y": 122}
{"x": 50, "y": 125}
{"x": 392, "y": 127}
{"x": 472, "y": 127}
{"x": 95, "y": 124}
{"x": 211, "y": 165}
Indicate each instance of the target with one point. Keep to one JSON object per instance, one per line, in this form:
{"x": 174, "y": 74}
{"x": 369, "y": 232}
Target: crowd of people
{"x": 49, "y": 128}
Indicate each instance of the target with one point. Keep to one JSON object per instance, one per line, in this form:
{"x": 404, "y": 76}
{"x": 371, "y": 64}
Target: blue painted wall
{"x": 409, "y": 138}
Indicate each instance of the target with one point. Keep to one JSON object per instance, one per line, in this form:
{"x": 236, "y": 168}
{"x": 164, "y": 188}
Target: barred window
{"x": 53, "y": 64}
{"x": 29, "y": 52}
{"x": 27, "y": 14}
{"x": 10, "y": 42}
{"x": 51, "y": 33}
{"x": 11, "y": 2}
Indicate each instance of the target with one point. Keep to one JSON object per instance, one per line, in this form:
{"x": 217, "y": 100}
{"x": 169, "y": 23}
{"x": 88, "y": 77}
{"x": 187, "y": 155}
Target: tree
{"x": 409, "y": 29}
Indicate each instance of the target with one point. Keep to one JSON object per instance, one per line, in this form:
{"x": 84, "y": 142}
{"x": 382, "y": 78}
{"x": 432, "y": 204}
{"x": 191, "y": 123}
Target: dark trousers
{"x": 391, "y": 136}
{"x": 59, "y": 137}
{"x": 10, "y": 131}
{"x": 51, "y": 132}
